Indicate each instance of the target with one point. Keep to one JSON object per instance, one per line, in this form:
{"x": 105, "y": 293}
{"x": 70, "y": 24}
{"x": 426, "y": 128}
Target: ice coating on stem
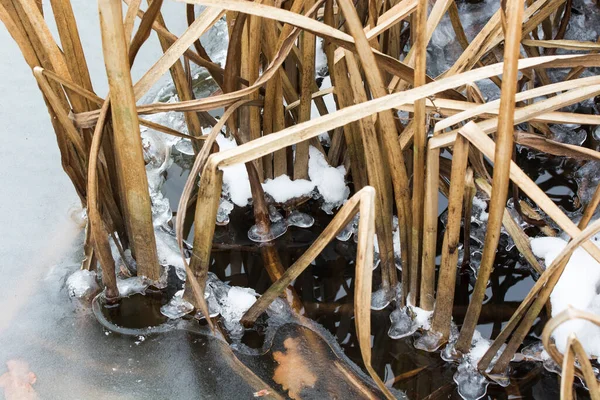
{"x": 225, "y": 208}
{"x": 277, "y": 229}
{"x": 300, "y": 219}
{"x": 129, "y": 286}
{"x": 405, "y": 321}
{"x": 82, "y": 284}
{"x": 177, "y": 307}
{"x": 472, "y": 385}
{"x": 352, "y": 228}
{"x": 577, "y": 287}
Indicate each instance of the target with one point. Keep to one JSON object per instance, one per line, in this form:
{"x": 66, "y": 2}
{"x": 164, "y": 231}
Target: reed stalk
{"x": 444, "y": 299}
{"x": 127, "y": 141}
{"x": 501, "y": 176}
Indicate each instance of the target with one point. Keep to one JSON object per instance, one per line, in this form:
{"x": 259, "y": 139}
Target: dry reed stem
{"x": 132, "y": 10}
{"x": 563, "y": 44}
{"x": 419, "y": 148}
{"x": 96, "y": 225}
{"x": 480, "y": 140}
{"x": 207, "y": 19}
{"x": 386, "y": 127}
{"x": 552, "y": 147}
{"x": 514, "y": 230}
{"x": 484, "y": 144}
{"x": 363, "y": 284}
{"x": 590, "y": 209}
{"x": 198, "y": 165}
{"x": 526, "y": 113}
{"x": 444, "y": 299}
{"x": 567, "y": 373}
{"x": 349, "y": 76}
{"x": 360, "y": 111}
{"x": 182, "y": 86}
{"x": 352, "y": 131}
{"x": 341, "y": 219}
{"x": 492, "y": 106}
{"x": 127, "y": 141}
{"x": 308, "y": 47}
{"x": 501, "y": 175}
{"x": 430, "y": 223}
{"x": 143, "y": 32}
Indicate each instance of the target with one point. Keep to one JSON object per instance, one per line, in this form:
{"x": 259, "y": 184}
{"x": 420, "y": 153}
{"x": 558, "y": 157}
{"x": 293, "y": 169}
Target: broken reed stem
{"x": 127, "y": 141}
{"x": 444, "y": 299}
{"x": 501, "y": 175}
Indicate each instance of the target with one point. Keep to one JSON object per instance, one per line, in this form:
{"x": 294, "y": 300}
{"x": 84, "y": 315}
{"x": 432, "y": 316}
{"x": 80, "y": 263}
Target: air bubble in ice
{"x": 258, "y": 235}
{"x": 299, "y": 219}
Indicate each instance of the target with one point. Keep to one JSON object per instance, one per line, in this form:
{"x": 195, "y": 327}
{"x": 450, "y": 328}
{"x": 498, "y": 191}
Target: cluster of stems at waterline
{"x": 267, "y": 88}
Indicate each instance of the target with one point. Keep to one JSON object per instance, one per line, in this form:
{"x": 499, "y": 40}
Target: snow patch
{"x": 282, "y": 188}
{"x": 235, "y": 177}
{"x": 577, "y": 287}
{"x": 330, "y": 181}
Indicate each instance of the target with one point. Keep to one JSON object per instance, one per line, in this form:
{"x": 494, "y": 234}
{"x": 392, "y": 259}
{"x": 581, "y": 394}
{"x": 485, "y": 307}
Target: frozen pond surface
{"x": 68, "y": 351}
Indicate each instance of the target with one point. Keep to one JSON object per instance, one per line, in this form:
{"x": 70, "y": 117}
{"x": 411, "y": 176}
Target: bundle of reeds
{"x": 376, "y": 59}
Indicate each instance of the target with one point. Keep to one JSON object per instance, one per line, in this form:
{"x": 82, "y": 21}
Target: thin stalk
{"x": 501, "y": 175}
{"x": 127, "y": 141}
{"x": 442, "y": 314}
{"x": 419, "y": 148}
{"x": 430, "y": 223}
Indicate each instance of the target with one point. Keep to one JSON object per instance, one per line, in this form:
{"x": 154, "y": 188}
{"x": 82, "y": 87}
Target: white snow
{"x": 235, "y": 177}
{"x": 330, "y": 181}
{"x": 239, "y": 300}
{"x": 577, "y": 287}
{"x": 282, "y": 188}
